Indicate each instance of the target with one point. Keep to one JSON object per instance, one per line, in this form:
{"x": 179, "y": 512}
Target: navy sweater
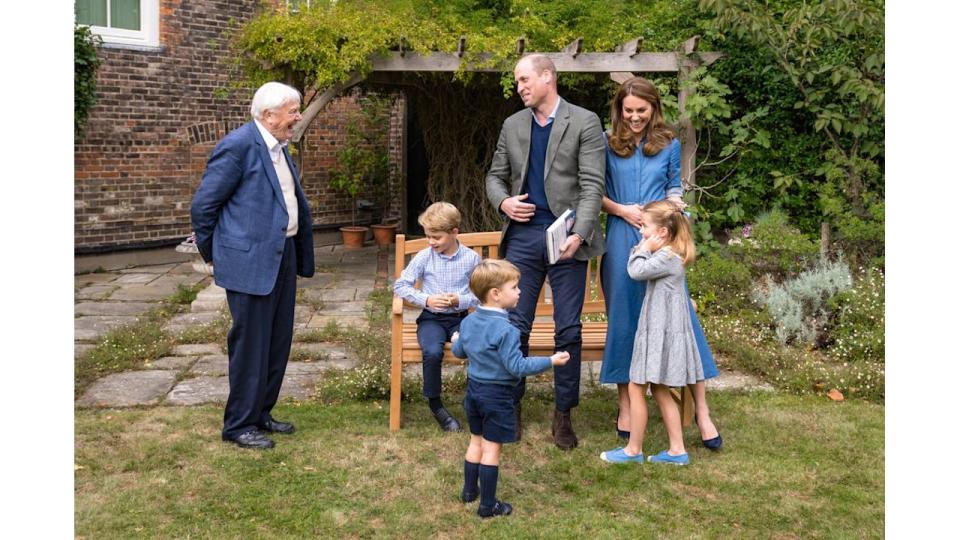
{"x": 539, "y": 137}
{"x": 492, "y": 346}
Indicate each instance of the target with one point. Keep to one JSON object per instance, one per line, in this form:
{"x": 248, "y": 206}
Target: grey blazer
{"x": 573, "y": 169}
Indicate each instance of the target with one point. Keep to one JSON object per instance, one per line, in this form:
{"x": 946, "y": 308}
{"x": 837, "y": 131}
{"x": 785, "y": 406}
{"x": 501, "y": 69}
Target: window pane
{"x": 92, "y": 12}
{"x": 125, "y": 14}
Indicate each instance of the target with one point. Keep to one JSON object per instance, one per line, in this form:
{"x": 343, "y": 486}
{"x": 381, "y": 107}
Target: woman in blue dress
{"x": 643, "y": 165}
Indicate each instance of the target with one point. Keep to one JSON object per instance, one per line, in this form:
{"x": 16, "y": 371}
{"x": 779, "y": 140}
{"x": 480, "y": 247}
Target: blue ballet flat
{"x": 664, "y": 457}
{"x": 714, "y": 443}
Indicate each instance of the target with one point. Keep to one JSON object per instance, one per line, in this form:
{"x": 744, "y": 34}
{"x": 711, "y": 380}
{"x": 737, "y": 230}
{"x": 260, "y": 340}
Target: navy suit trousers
{"x": 259, "y": 345}
{"x": 433, "y": 331}
{"x": 526, "y": 247}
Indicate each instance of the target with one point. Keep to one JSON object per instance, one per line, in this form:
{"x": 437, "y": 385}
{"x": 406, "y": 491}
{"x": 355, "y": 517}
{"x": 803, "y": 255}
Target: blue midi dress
{"x": 637, "y": 179}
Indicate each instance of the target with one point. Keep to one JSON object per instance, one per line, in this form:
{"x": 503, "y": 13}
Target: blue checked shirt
{"x": 439, "y": 274}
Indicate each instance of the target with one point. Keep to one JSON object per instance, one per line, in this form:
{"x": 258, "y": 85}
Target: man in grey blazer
{"x": 549, "y": 158}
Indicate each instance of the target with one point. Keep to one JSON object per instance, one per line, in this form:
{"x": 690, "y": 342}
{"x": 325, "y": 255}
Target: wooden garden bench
{"x": 404, "y": 348}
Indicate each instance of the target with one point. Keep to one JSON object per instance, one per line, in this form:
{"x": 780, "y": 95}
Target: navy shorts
{"x": 490, "y": 411}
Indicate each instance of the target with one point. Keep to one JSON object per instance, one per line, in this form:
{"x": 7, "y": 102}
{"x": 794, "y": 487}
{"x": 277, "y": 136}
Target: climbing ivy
{"x": 85, "y": 63}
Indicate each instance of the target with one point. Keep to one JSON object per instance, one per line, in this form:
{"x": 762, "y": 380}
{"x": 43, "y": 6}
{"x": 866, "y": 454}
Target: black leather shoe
{"x": 252, "y": 439}
{"x": 446, "y": 420}
{"x": 499, "y": 509}
{"x": 273, "y": 426}
{"x": 469, "y": 496}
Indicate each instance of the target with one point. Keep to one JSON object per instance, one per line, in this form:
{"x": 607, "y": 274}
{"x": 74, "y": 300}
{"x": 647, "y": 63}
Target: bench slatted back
{"x": 487, "y": 245}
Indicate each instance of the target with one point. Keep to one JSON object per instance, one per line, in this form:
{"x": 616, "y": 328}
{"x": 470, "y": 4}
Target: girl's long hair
{"x": 658, "y": 134}
{"x": 669, "y": 215}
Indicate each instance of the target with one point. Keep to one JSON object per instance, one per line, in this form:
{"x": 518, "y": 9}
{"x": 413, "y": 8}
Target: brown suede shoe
{"x": 562, "y": 430}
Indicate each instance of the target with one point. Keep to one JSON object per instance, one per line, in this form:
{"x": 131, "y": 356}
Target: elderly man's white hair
{"x": 272, "y": 95}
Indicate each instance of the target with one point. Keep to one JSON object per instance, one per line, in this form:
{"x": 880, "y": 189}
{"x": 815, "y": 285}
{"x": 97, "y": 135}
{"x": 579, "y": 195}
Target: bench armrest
{"x": 397, "y": 305}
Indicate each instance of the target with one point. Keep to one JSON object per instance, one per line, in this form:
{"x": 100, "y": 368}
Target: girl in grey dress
{"x": 664, "y": 351}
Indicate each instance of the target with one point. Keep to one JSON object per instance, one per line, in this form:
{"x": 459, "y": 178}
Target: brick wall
{"x": 158, "y": 116}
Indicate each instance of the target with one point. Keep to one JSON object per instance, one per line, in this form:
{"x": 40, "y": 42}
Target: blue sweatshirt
{"x": 492, "y": 346}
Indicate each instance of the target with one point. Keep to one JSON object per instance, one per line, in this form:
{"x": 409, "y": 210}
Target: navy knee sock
{"x": 435, "y": 404}
{"x": 488, "y": 485}
{"x": 471, "y": 474}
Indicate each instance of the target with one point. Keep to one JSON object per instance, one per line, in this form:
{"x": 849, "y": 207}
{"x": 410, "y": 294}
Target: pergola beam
{"x": 604, "y": 62}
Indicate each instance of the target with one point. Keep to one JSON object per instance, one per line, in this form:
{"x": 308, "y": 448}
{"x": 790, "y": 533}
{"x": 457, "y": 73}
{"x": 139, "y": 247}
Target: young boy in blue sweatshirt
{"x": 494, "y": 367}
{"x": 443, "y": 269}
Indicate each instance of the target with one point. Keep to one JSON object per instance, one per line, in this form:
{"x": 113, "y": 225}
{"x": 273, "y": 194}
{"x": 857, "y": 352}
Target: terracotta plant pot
{"x": 383, "y": 234}
{"x": 353, "y": 237}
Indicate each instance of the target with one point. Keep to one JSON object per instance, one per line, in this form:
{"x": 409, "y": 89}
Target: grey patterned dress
{"x": 664, "y": 350}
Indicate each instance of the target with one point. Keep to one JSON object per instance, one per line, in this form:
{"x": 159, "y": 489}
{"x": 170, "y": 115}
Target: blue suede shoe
{"x": 618, "y": 455}
{"x": 664, "y": 457}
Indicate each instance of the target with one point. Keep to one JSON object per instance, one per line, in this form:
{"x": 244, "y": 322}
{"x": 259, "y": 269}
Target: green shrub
{"x": 772, "y": 246}
{"x": 799, "y": 306}
{"x": 719, "y": 284}
{"x": 858, "y": 331}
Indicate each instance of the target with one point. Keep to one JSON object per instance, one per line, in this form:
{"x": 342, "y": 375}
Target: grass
{"x": 792, "y": 466}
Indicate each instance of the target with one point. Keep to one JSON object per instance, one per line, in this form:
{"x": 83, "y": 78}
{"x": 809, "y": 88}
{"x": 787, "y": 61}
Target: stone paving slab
{"x": 98, "y": 291}
{"x": 112, "y": 308}
{"x": 330, "y": 351}
{"x": 185, "y": 321}
{"x": 140, "y": 278}
{"x": 152, "y": 269}
{"x": 83, "y": 280}
{"x": 298, "y": 386}
{"x": 318, "y": 281}
{"x": 302, "y": 314}
{"x": 79, "y": 349}
{"x": 731, "y": 380}
{"x": 197, "y": 349}
{"x": 213, "y": 365}
{"x": 172, "y": 362}
{"x": 128, "y": 389}
{"x": 183, "y": 268}
{"x": 199, "y": 390}
{"x": 303, "y": 368}
{"x": 154, "y": 291}
{"x": 345, "y": 308}
{"x": 94, "y": 327}
{"x": 341, "y": 294}
{"x": 319, "y": 321}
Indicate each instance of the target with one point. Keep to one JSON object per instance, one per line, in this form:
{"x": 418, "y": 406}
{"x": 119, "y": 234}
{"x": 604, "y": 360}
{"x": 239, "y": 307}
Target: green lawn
{"x": 792, "y": 466}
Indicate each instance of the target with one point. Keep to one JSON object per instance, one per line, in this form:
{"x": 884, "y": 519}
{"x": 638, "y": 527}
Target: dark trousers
{"x": 258, "y": 345}
{"x": 527, "y": 249}
{"x": 433, "y": 331}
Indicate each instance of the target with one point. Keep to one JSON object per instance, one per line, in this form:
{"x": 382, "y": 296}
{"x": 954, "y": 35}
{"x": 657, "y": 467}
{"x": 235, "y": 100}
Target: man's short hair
{"x": 272, "y": 95}
{"x": 540, "y": 62}
{"x": 491, "y": 274}
{"x": 440, "y": 216}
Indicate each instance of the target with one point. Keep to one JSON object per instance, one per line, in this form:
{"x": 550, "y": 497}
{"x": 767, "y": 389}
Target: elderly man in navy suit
{"x": 252, "y": 221}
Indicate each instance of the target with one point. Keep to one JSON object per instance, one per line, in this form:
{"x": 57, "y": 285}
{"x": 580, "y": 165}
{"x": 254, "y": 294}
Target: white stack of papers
{"x": 557, "y": 234}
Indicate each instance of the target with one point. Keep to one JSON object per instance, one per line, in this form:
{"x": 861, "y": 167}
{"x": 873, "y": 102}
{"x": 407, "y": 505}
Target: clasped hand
{"x": 443, "y": 301}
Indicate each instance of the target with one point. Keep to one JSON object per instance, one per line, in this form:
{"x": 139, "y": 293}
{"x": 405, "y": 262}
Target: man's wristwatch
{"x": 582, "y": 239}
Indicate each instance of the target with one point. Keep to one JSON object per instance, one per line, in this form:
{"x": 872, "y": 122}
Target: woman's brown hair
{"x": 658, "y": 134}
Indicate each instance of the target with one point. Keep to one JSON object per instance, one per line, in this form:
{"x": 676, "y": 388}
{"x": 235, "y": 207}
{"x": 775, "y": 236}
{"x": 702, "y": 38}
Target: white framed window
{"x": 122, "y": 22}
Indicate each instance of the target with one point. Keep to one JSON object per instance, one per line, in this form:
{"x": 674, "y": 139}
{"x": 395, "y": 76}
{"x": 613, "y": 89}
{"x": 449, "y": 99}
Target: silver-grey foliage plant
{"x": 799, "y": 306}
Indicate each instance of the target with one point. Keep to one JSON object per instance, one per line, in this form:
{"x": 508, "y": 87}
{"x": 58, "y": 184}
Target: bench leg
{"x": 396, "y": 372}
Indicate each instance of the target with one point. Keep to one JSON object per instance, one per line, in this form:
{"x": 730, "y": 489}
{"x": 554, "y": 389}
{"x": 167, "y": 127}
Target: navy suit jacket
{"x": 240, "y": 218}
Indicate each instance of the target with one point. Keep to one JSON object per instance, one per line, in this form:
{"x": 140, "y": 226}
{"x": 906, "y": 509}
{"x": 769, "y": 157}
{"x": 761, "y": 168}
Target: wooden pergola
{"x": 621, "y": 64}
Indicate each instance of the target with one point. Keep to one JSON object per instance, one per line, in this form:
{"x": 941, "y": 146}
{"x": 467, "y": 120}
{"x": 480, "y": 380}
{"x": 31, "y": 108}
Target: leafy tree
{"x": 830, "y": 55}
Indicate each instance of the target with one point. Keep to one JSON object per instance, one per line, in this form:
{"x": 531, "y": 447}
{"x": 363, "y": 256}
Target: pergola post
{"x": 688, "y": 136}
